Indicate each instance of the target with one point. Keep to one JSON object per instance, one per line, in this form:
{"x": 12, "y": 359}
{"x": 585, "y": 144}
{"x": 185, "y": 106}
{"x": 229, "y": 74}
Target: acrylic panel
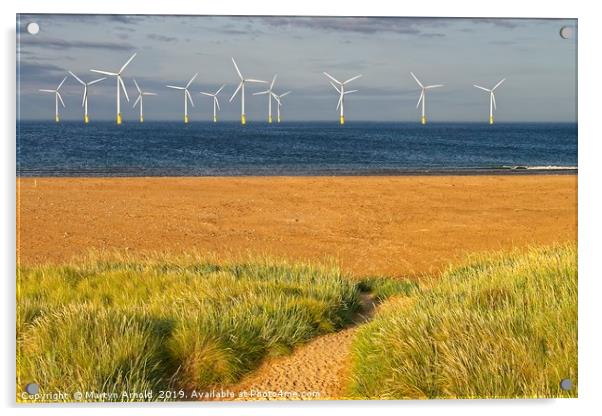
{"x": 241, "y": 208}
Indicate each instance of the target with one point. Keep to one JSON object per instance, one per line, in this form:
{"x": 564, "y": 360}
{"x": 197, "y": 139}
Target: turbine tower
{"x": 120, "y": 84}
{"x": 215, "y": 101}
{"x": 57, "y": 97}
{"x": 270, "y": 95}
{"x": 85, "y": 96}
{"x": 140, "y": 99}
{"x": 241, "y": 86}
{"x": 492, "y": 104}
{"x": 279, "y": 100}
{"x": 423, "y": 96}
{"x": 187, "y": 96}
{"x": 341, "y": 90}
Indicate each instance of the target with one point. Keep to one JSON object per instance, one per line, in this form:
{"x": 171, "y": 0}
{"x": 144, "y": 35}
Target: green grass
{"x": 157, "y": 323}
{"x": 503, "y": 326}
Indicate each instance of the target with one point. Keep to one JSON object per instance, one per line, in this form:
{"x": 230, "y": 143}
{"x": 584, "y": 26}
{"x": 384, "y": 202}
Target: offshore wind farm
{"x": 292, "y": 206}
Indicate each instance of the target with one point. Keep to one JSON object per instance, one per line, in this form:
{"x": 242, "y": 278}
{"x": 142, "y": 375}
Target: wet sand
{"x": 396, "y": 226}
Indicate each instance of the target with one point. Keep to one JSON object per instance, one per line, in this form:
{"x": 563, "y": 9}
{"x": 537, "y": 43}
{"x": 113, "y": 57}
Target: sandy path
{"x": 395, "y": 226}
{"x": 319, "y": 367}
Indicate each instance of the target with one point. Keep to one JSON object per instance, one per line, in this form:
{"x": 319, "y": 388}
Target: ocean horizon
{"x": 291, "y": 148}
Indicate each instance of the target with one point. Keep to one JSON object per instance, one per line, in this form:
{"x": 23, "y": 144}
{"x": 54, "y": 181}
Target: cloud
{"x": 363, "y": 25}
{"x": 61, "y": 44}
{"x": 162, "y": 38}
{"x": 41, "y": 71}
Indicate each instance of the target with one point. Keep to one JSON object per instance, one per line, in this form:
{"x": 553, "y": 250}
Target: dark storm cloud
{"x": 61, "y": 44}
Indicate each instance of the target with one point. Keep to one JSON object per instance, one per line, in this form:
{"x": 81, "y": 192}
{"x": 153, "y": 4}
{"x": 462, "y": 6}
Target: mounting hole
{"x": 32, "y": 388}
{"x": 566, "y": 384}
{"x": 566, "y": 32}
{"x": 33, "y": 28}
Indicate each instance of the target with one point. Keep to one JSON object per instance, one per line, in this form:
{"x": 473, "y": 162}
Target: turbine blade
{"x": 277, "y": 99}
{"x": 137, "y": 101}
{"x": 428, "y": 87}
{"x": 103, "y": 72}
{"x": 237, "y": 70}
{"x": 191, "y": 79}
{"x": 273, "y": 81}
{"x": 189, "y": 97}
{"x": 420, "y": 99}
{"x": 127, "y": 63}
{"x": 416, "y": 79}
{"x": 284, "y": 94}
{"x": 493, "y": 99}
{"x": 350, "y": 91}
{"x": 332, "y": 78}
{"x": 481, "y": 88}
{"x": 498, "y": 84}
{"x": 125, "y": 92}
{"x": 206, "y": 93}
{"x": 61, "y": 84}
{"x": 137, "y": 86}
{"x": 217, "y": 102}
{"x": 76, "y": 77}
{"x": 175, "y": 88}
{"x": 47, "y": 90}
{"x": 261, "y": 93}
{"x": 149, "y": 93}
{"x": 60, "y": 98}
{"x": 255, "y": 80}
{"x": 219, "y": 90}
{"x": 340, "y": 101}
{"x": 335, "y": 87}
{"x": 85, "y": 94}
{"x": 96, "y": 81}
{"x": 351, "y": 79}
{"x": 236, "y": 92}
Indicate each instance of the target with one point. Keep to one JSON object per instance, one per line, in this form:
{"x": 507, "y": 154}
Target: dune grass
{"x": 123, "y": 324}
{"x": 500, "y": 326}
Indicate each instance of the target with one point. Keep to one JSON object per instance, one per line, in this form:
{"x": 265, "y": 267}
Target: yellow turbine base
{"x": 270, "y": 119}
{"x": 142, "y": 119}
{"x": 86, "y": 119}
{"x": 119, "y": 119}
{"x": 278, "y": 119}
{"x": 423, "y": 120}
{"x": 491, "y": 120}
{"x": 186, "y": 119}
{"x": 342, "y": 120}
{"x": 243, "y": 119}
{"x": 214, "y": 119}
{"x": 56, "y": 118}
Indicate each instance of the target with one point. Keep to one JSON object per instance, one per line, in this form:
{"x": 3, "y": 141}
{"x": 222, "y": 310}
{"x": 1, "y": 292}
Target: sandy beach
{"x": 395, "y": 226}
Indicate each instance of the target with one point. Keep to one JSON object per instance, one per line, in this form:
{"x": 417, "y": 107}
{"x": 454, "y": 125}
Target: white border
{"x": 590, "y": 207}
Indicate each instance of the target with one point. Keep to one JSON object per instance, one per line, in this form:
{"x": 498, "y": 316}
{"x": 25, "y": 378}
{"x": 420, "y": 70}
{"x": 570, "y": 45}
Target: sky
{"x": 540, "y": 66}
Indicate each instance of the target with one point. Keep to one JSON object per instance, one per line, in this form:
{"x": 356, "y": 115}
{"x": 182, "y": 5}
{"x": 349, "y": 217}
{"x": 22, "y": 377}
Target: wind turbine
{"x": 119, "y": 81}
{"x": 270, "y": 95}
{"x": 241, "y": 86}
{"x": 492, "y": 105}
{"x": 187, "y": 96}
{"x": 57, "y": 97}
{"x": 423, "y": 96}
{"x": 341, "y": 90}
{"x": 215, "y": 101}
{"x": 85, "y": 96}
{"x": 279, "y": 100}
{"x": 140, "y": 99}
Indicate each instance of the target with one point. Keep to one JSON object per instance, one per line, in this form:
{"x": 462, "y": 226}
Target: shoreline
{"x": 514, "y": 170}
{"x": 396, "y": 226}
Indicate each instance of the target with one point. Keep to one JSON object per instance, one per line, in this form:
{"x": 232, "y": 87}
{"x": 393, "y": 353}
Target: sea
{"x": 292, "y": 148}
